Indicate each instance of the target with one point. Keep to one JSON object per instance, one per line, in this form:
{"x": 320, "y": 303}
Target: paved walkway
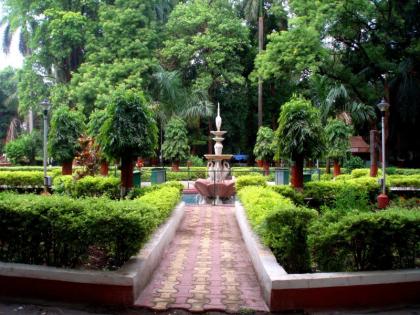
{"x": 206, "y": 267}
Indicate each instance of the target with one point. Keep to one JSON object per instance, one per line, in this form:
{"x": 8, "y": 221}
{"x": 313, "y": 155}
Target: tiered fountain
{"x": 217, "y": 187}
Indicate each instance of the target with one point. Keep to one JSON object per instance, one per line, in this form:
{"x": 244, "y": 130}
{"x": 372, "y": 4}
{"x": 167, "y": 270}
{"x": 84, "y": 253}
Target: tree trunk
{"x": 337, "y": 169}
{"x": 175, "y": 166}
{"x": 266, "y": 167}
{"x": 127, "y": 167}
{"x": 260, "y": 82}
{"x": 328, "y": 167}
{"x": 104, "y": 169}
{"x": 297, "y": 172}
{"x": 373, "y": 154}
{"x": 67, "y": 168}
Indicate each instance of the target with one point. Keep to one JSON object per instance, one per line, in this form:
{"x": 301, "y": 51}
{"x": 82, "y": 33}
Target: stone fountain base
{"x": 212, "y": 190}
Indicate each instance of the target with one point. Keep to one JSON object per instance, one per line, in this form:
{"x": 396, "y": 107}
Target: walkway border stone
{"x": 285, "y": 292}
{"x": 119, "y": 287}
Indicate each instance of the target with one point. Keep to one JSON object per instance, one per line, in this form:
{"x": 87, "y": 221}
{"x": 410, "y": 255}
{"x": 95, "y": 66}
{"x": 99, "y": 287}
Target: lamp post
{"x": 47, "y": 179}
{"x": 383, "y": 199}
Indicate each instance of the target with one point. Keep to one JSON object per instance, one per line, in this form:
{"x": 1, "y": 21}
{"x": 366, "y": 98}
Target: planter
{"x": 104, "y": 168}
{"x": 67, "y": 168}
{"x": 175, "y": 166}
{"x": 119, "y": 287}
{"x": 320, "y": 291}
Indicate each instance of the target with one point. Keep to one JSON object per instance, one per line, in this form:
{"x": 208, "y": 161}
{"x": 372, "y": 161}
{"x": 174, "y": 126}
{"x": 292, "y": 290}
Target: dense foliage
{"x": 281, "y": 225}
{"x": 176, "y": 146}
{"x": 24, "y": 149}
{"x": 67, "y": 126}
{"x": 264, "y": 148}
{"x": 60, "y": 231}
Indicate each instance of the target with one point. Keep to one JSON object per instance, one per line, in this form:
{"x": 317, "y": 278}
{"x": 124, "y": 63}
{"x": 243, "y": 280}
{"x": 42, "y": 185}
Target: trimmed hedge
{"x": 289, "y": 192}
{"x": 88, "y": 186}
{"x": 403, "y": 180}
{"x": 22, "y": 178}
{"x": 250, "y": 180}
{"x": 281, "y": 225}
{"x": 358, "y": 241}
{"x": 61, "y": 231}
{"x": 325, "y": 192}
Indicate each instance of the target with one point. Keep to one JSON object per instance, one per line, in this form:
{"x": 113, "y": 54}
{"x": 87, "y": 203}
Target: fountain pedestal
{"x": 217, "y": 186}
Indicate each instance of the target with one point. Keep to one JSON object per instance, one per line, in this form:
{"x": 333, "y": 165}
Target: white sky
{"x": 13, "y": 58}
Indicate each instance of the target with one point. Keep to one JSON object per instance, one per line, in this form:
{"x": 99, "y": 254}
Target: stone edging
{"x": 132, "y": 276}
{"x": 278, "y": 285}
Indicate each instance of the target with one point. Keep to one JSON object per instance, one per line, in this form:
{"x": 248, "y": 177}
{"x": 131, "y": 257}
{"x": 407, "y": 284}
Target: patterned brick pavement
{"x": 206, "y": 267}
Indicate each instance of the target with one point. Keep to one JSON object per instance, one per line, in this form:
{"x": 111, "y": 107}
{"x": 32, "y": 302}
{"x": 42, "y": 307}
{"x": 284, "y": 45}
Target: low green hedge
{"x": 325, "y": 192}
{"x": 403, "y": 180}
{"x": 61, "y": 231}
{"x": 281, "y": 225}
{"x": 358, "y": 241}
{"x": 27, "y": 168}
{"x": 289, "y": 192}
{"x": 250, "y": 180}
{"x": 402, "y": 171}
{"x": 22, "y": 178}
{"x": 89, "y": 186}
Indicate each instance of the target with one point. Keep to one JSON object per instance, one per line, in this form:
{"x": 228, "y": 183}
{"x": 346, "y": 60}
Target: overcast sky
{"x": 13, "y": 58}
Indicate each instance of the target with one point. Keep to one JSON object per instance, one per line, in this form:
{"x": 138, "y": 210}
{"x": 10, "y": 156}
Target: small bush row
{"x": 250, "y": 180}
{"x": 348, "y": 237}
{"x": 357, "y": 241}
{"x": 281, "y": 225}
{"x": 89, "y": 186}
{"x": 61, "y": 231}
{"x": 325, "y": 192}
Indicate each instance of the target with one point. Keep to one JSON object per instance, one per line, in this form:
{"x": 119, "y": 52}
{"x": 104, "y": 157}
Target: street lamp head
{"x": 45, "y": 104}
{"x": 383, "y": 106}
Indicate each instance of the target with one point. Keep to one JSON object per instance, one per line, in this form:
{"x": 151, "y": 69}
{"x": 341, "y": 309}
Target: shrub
{"x": 349, "y": 198}
{"x": 353, "y": 162}
{"x": 402, "y": 171}
{"x": 325, "y": 192}
{"x": 363, "y": 172}
{"x": 22, "y": 178}
{"x": 281, "y": 225}
{"x": 250, "y": 180}
{"x": 343, "y": 177}
{"x": 24, "y": 149}
{"x": 289, "y": 192}
{"x": 366, "y": 241}
{"x": 404, "y": 181}
{"x": 88, "y": 186}
{"x": 59, "y": 231}
{"x": 138, "y": 192}
{"x": 196, "y": 160}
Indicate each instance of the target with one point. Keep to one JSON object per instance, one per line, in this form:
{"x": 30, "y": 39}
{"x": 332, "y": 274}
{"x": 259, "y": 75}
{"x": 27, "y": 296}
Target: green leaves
{"x": 176, "y": 146}
{"x": 129, "y": 129}
{"x": 337, "y": 138}
{"x": 204, "y": 40}
{"x": 66, "y": 127}
{"x": 61, "y": 231}
{"x": 265, "y": 145}
{"x": 24, "y": 149}
{"x": 300, "y": 131}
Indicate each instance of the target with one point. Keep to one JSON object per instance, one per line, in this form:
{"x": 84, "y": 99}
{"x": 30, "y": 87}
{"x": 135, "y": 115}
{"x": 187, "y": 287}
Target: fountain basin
{"x": 218, "y": 157}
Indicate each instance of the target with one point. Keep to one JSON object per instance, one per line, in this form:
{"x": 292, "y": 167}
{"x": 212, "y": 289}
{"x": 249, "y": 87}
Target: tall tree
{"x": 299, "y": 135}
{"x": 204, "y": 42}
{"x": 129, "y": 131}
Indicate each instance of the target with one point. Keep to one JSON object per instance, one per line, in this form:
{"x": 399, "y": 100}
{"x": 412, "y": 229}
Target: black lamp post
{"x": 47, "y": 179}
{"x": 383, "y": 199}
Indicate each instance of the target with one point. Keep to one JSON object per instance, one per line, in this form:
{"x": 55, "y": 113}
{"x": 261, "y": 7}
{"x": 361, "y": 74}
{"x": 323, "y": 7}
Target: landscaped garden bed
{"x": 88, "y": 237}
{"x": 344, "y": 246}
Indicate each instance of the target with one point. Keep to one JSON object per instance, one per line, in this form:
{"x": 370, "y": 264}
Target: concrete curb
{"x": 284, "y": 291}
{"x": 105, "y": 287}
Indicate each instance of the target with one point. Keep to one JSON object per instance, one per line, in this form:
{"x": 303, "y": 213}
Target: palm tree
{"x": 299, "y": 135}
{"x": 337, "y": 136}
{"x": 339, "y": 104}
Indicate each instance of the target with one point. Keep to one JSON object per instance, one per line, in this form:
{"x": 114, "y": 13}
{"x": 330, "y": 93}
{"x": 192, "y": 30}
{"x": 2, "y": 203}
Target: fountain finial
{"x": 218, "y": 118}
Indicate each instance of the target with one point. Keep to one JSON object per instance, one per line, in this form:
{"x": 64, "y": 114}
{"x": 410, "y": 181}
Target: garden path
{"x": 206, "y": 267}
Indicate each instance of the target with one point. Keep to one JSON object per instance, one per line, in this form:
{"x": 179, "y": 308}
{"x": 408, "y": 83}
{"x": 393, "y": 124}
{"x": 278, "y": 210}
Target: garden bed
{"x": 285, "y": 292}
{"x": 119, "y": 287}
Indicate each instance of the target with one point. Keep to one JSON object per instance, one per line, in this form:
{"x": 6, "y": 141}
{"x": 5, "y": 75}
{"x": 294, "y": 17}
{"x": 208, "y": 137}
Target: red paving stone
{"x": 206, "y": 267}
